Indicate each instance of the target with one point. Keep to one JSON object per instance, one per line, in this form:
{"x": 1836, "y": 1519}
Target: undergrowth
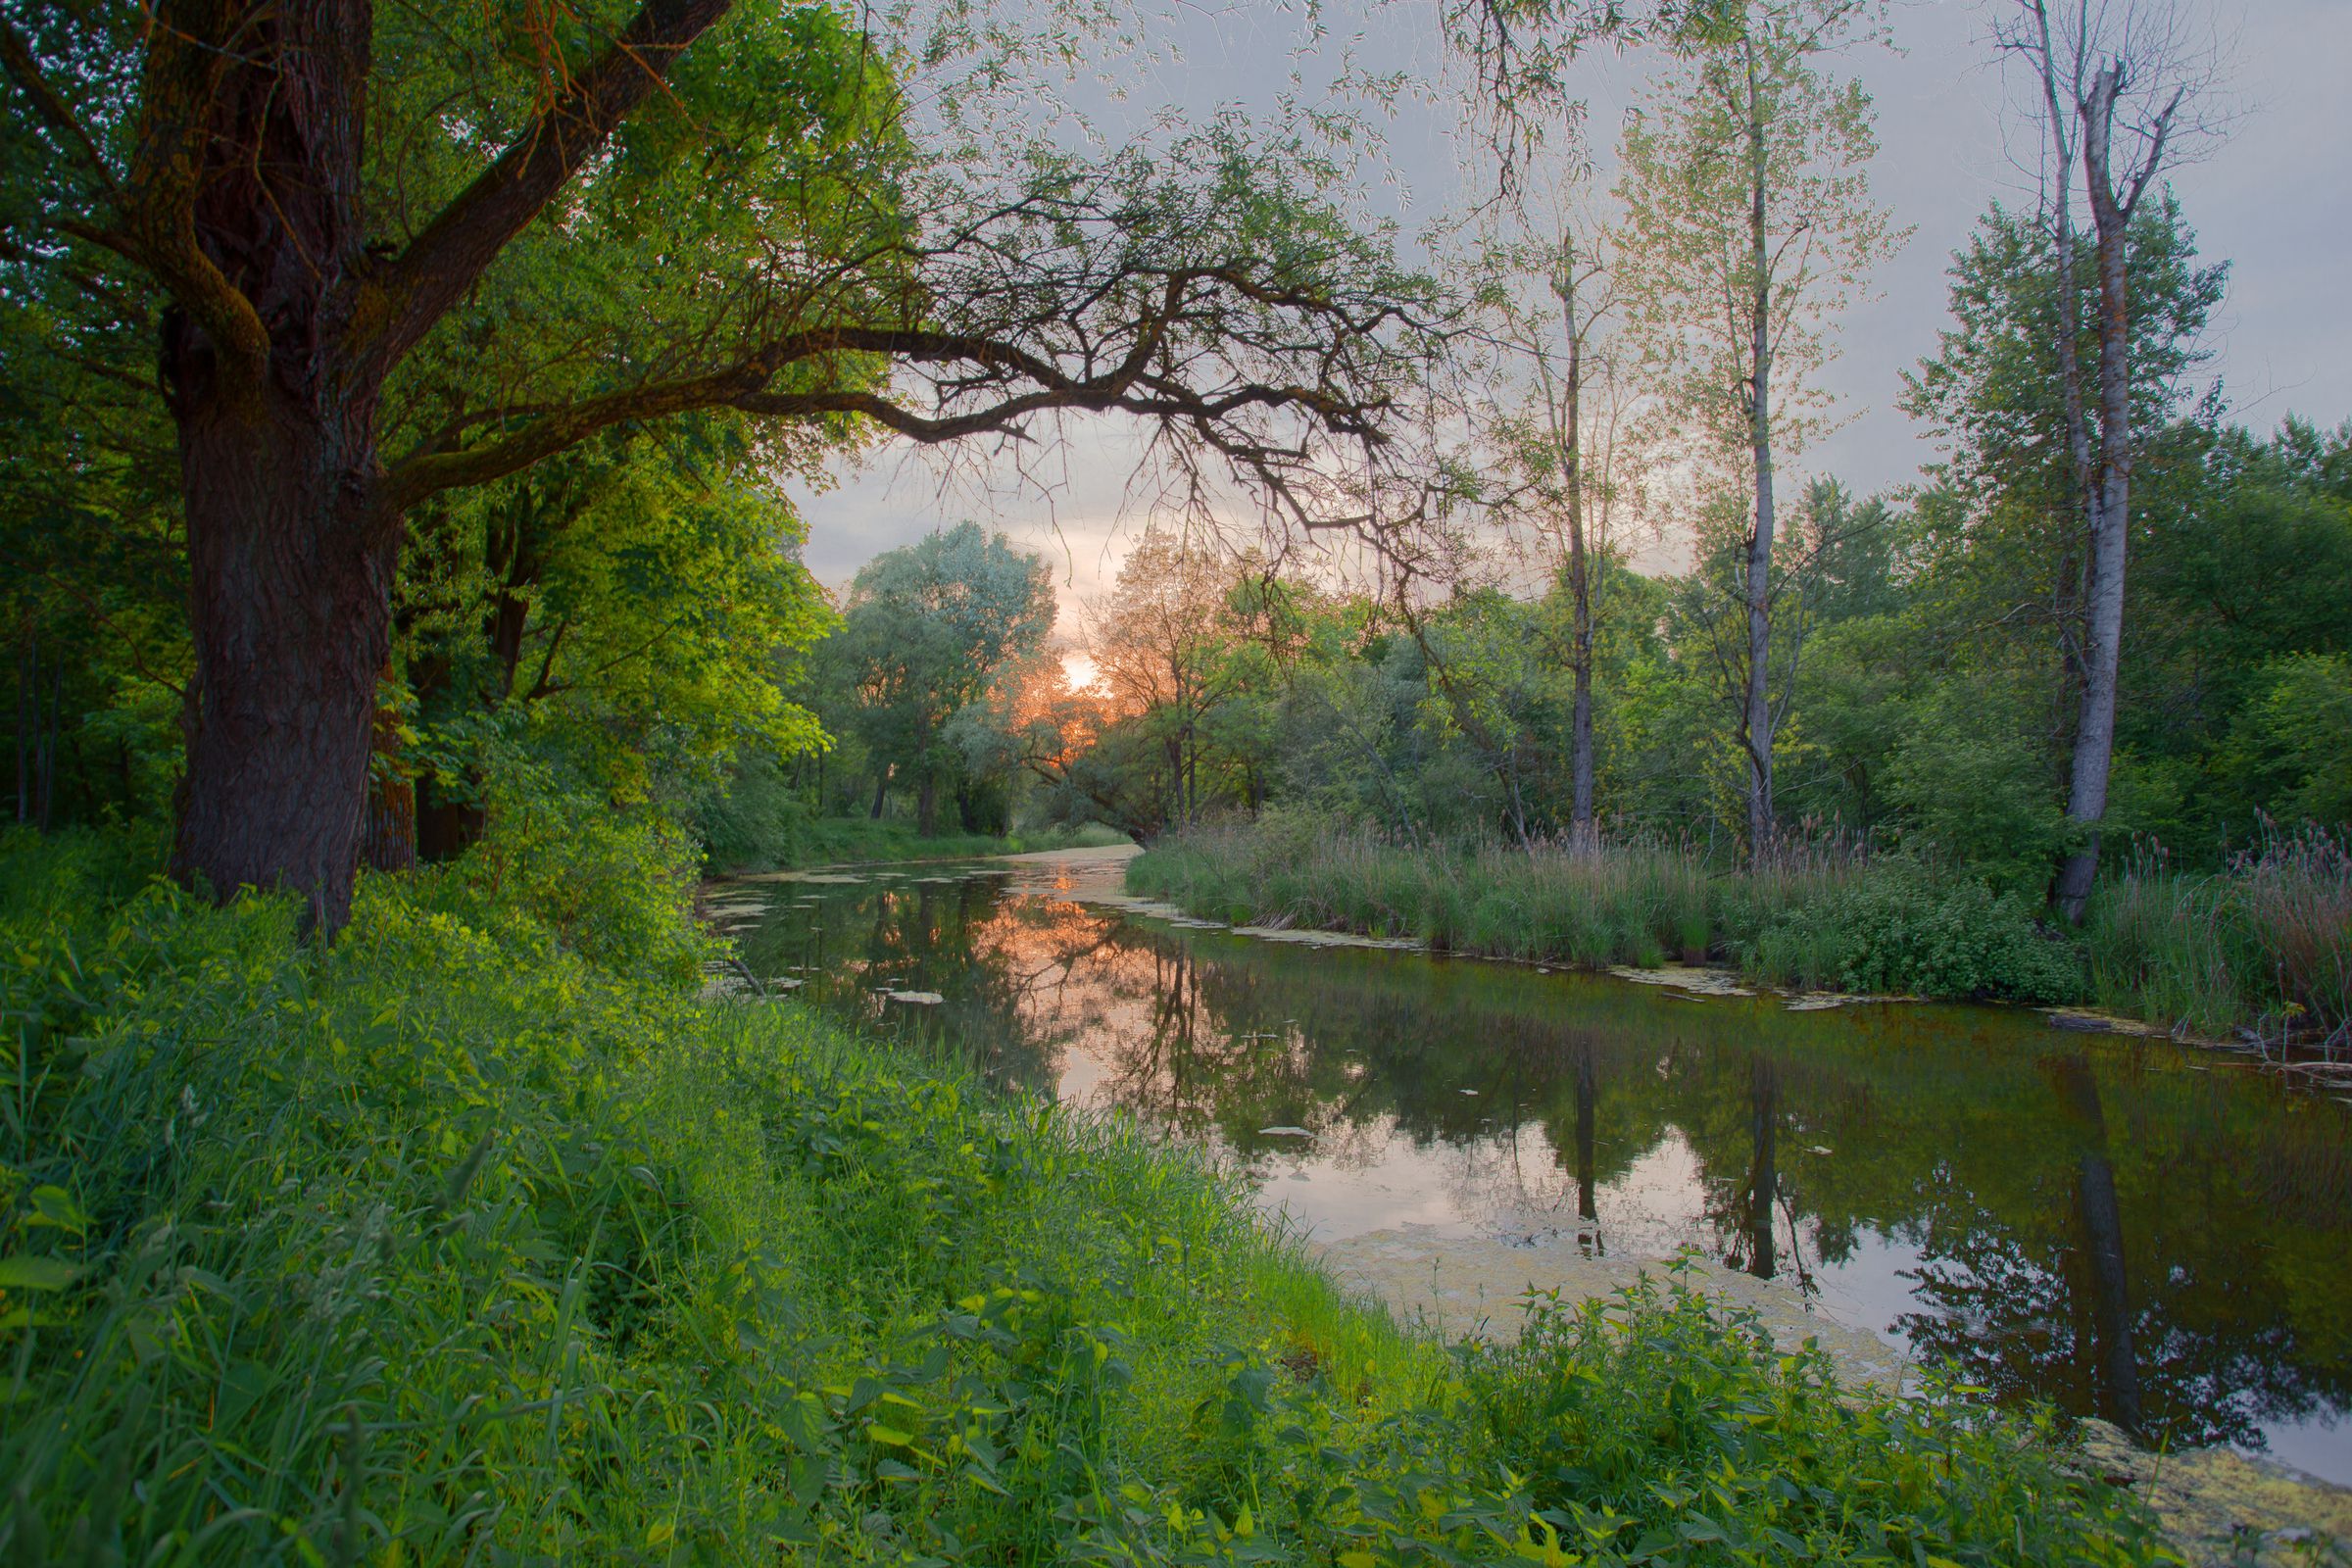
{"x": 478, "y": 1238}
{"x": 1832, "y": 920}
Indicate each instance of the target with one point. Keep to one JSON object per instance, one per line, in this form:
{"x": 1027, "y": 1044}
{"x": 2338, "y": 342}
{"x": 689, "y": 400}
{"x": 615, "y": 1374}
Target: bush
{"x": 1655, "y": 1427}
{"x": 1894, "y": 927}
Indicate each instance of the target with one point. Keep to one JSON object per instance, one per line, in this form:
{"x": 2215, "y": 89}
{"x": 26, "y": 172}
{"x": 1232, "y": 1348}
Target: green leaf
{"x": 22, "y": 1273}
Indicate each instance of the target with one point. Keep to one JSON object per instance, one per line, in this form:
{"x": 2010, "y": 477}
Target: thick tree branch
{"x": 190, "y": 49}
{"x": 443, "y": 261}
{"x": 991, "y": 363}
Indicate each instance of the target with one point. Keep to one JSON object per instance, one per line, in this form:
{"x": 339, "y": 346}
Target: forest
{"x": 413, "y": 423}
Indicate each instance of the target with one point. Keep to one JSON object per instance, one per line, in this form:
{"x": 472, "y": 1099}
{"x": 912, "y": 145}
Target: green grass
{"x": 844, "y": 840}
{"x": 1825, "y": 919}
{"x": 481, "y": 1238}
{"x": 2262, "y": 946}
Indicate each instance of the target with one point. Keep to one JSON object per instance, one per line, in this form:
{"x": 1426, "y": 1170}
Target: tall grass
{"x": 1819, "y": 912}
{"x": 2263, "y": 945}
{"x": 460, "y": 1243}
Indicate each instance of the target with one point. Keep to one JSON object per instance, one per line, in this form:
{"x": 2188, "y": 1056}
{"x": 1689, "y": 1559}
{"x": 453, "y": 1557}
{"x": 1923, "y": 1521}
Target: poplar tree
{"x": 2117, "y": 90}
{"x": 1749, "y": 225}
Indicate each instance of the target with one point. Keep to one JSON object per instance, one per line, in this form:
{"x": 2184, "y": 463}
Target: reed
{"x": 2261, "y": 948}
{"x": 1818, "y": 912}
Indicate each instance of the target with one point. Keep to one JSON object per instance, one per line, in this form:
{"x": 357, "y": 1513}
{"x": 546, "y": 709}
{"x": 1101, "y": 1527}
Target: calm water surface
{"x": 2124, "y": 1227}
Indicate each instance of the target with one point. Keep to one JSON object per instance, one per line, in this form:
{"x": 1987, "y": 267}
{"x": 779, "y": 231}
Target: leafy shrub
{"x": 1895, "y": 927}
{"x": 1656, "y": 1427}
{"x": 756, "y": 821}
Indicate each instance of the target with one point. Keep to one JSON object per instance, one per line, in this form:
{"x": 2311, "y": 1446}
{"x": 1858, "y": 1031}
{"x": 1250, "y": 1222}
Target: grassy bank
{"x": 837, "y": 839}
{"x": 2264, "y": 944}
{"x": 480, "y": 1238}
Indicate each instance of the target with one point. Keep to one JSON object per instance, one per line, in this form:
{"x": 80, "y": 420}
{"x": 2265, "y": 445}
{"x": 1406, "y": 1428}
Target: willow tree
{"x": 930, "y": 629}
{"x": 388, "y": 253}
{"x": 1748, "y": 228}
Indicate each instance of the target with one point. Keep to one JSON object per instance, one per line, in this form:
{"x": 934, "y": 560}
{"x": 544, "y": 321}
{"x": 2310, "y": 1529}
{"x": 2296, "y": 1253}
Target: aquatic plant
{"x": 2262, "y": 946}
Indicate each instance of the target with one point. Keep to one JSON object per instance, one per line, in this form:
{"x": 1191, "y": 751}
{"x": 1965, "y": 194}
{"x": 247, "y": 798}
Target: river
{"x": 2125, "y": 1227}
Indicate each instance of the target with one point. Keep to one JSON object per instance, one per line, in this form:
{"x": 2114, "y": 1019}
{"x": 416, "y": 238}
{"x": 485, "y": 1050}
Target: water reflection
{"x": 2110, "y": 1224}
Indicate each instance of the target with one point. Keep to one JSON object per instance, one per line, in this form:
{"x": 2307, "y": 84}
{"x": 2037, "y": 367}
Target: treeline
{"x": 1923, "y": 704}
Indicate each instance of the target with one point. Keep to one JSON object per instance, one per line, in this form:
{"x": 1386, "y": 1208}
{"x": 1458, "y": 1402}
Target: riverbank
{"x": 479, "y": 1234}
{"x": 2263, "y": 950}
{"x": 860, "y": 840}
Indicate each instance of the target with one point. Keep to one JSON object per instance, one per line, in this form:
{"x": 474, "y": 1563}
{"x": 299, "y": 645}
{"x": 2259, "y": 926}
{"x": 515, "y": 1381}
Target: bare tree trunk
{"x": 2094, "y": 734}
{"x": 1582, "y": 831}
{"x": 2069, "y": 587}
{"x": 881, "y": 792}
{"x": 293, "y": 620}
{"x": 1756, "y": 726}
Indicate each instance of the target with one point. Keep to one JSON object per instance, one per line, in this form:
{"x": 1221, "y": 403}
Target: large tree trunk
{"x": 290, "y": 604}
{"x": 290, "y": 571}
{"x": 2094, "y": 734}
{"x": 1756, "y": 719}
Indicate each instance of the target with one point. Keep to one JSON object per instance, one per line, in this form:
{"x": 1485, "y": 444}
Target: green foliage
{"x": 754, "y": 821}
{"x": 451, "y": 1242}
{"x": 1654, "y": 1427}
{"x": 1814, "y": 921}
{"x": 1972, "y": 785}
{"x": 930, "y": 629}
{"x": 2292, "y": 746}
{"x": 2264, "y": 944}
{"x": 1894, "y": 927}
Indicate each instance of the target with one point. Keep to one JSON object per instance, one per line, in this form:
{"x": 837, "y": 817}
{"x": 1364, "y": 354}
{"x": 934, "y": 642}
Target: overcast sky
{"x": 2274, "y": 198}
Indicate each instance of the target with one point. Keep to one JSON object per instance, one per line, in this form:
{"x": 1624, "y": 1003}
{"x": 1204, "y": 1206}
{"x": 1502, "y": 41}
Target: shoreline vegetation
{"x": 478, "y": 1235}
{"x": 855, "y": 840}
{"x": 2260, "y": 950}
